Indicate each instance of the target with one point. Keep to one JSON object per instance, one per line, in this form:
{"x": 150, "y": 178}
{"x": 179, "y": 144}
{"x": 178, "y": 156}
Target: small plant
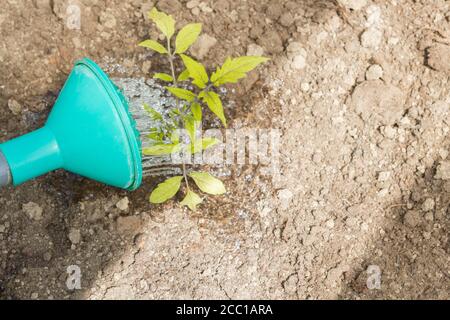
{"x": 188, "y": 114}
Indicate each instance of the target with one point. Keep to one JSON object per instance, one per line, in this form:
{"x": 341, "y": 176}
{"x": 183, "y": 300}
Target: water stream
{"x": 139, "y": 91}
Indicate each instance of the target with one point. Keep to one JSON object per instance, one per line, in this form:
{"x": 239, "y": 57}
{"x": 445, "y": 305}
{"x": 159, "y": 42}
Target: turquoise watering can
{"x": 89, "y": 132}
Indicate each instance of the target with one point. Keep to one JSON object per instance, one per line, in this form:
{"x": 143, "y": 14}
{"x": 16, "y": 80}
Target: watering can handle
{"x": 5, "y": 172}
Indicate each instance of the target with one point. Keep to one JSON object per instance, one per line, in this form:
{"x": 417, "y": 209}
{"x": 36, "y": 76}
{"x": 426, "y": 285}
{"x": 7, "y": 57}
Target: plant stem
{"x": 185, "y": 175}
{"x": 172, "y": 68}
{"x": 171, "y": 56}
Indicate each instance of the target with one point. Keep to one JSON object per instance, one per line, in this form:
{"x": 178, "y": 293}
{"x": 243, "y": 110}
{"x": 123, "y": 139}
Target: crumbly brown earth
{"x": 360, "y": 90}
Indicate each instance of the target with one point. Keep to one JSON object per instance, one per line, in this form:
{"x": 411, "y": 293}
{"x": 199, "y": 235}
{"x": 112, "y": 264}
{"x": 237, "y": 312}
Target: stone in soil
{"x": 128, "y": 225}
{"x": 255, "y": 50}
{"x": 354, "y": 4}
{"x": 371, "y": 38}
{"x": 271, "y": 42}
{"x": 33, "y": 211}
{"x": 374, "y": 72}
{"x": 14, "y": 106}
{"x": 438, "y": 57}
{"x": 204, "y": 43}
{"x": 379, "y": 101}
{"x": 443, "y": 171}
{"x": 412, "y": 218}
{"x": 428, "y": 205}
{"x": 75, "y": 236}
{"x": 123, "y": 204}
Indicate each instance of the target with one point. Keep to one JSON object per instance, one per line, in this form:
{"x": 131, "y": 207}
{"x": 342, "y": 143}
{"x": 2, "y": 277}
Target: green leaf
{"x": 214, "y": 103}
{"x": 201, "y": 145}
{"x": 153, "y": 114}
{"x": 182, "y": 93}
{"x": 166, "y": 190}
{"x": 235, "y": 69}
{"x": 196, "y": 71}
{"x": 164, "y": 22}
{"x": 192, "y": 200}
{"x": 184, "y": 75}
{"x": 161, "y": 149}
{"x": 187, "y": 36}
{"x": 196, "y": 110}
{"x": 152, "y": 44}
{"x": 209, "y": 142}
{"x": 163, "y": 77}
{"x": 175, "y": 137}
{"x": 207, "y": 183}
{"x": 191, "y": 127}
{"x": 156, "y": 136}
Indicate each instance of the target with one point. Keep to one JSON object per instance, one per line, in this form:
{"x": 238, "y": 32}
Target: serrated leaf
{"x": 235, "y": 69}
{"x": 196, "y": 71}
{"x": 164, "y": 22}
{"x": 207, "y": 183}
{"x": 187, "y": 36}
{"x": 163, "y": 76}
{"x": 184, "y": 75}
{"x": 192, "y": 200}
{"x": 182, "y": 93}
{"x": 153, "y": 114}
{"x": 152, "y": 44}
{"x": 166, "y": 190}
{"x": 161, "y": 149}
{"x": 196, "y": 110}
{"x": 214, "y": 103}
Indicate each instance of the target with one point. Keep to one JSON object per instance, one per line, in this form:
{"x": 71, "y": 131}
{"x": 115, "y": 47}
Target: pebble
{"x": 295, "y": 48}
{"x": 299, "y": 62}
{"x": 128, "y": 225}
{"x": 195, "y": 11}
{"x": 428, "y": 205}
{"x": 371, "y": 38}
{"x": 354, "y": 4}
{"x": 271, "y": 42}
{"x": 108, "y": 20}
{"x": 14, "y": 106}
{"x": 146, "y": 66}
{"x": 374, "y": 72}
{"x": 437, "y": 57}
{"x": 47, "y": 256}
{"x": 192, "y": 4}
{"x": 285, "y": 194}
{"x": 203, "y": 45}
{"x": 33, "y": 210}
{"x": 330, "y": 224}
{"x": 443, "y": 171}
{"x": 389, "y": 132}
{"x": 42, "y": 4}
{"x": 34, "y": 295}
{"x": 123, "y": 204}
{"x": 305, "y": 86}
{"x": 412, "y": 218}
{"x": 384, "y": 176}
{"x": 255, "y": 50}
{"x": 75, "y": 236}
{"x": 375, "y": 99}
{"x": 287, "y": 19}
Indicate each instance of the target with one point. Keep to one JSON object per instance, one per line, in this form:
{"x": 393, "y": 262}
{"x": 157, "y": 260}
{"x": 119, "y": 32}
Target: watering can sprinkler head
{"x": 89, "y": 132}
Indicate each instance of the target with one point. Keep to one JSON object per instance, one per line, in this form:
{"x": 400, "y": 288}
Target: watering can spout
{"x": 5, "y": 172}
{"x": 89, "y": 132}
{"x": 32, "y": 155}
